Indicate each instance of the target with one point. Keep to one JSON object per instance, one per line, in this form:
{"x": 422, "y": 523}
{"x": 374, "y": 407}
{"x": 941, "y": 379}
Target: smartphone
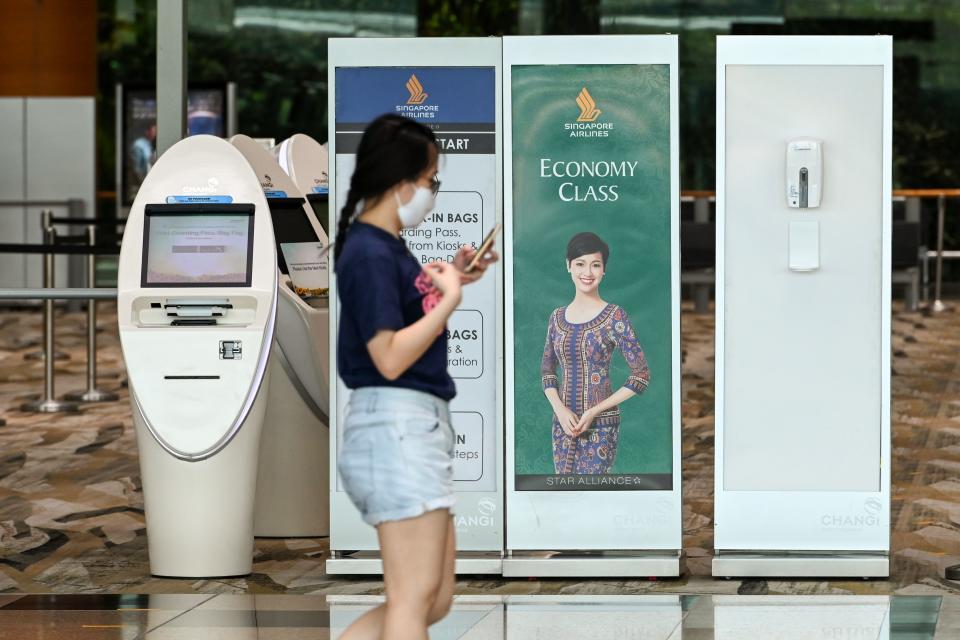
{"x": 484, "y": 248}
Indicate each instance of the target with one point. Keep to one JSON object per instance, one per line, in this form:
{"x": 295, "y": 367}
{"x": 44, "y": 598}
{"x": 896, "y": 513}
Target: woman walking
{"x": 395, "y": 458}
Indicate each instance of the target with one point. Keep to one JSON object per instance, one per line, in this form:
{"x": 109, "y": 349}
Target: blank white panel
{"x": 11, "y": 188}
{"x": 802, "y": 367}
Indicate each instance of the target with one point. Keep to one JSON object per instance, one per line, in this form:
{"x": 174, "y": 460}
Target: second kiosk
{"x": 293, "y": 482}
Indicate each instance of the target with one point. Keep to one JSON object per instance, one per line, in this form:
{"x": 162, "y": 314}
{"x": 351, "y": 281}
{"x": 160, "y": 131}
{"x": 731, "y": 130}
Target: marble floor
{"x": 650, "y": 617}
{"x": 71, "y": 508}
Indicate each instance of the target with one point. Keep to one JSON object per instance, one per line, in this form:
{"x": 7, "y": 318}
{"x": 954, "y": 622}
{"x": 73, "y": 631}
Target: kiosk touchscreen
{"x": 293, "y": 484}
{"x": 197, "y": 300}
{"x": 306, "y": 162}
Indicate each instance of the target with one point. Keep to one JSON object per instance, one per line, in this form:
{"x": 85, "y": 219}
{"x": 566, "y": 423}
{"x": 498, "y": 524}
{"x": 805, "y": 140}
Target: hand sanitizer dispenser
{"x": 804, "y": 173}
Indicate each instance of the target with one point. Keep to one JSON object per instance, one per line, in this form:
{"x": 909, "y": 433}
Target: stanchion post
{"x": 48, "y": 402}
{"x": 91, "y": 393}
{"x": 46, "y": 224}
{"x": 938, "y": 304}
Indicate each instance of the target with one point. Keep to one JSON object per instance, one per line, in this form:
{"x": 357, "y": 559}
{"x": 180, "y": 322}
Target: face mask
{"x": 414, "y": 212}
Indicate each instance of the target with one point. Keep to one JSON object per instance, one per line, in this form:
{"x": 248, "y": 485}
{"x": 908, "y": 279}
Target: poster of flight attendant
{"x": 592, "y": 278}
{"x": 582, "y": 338}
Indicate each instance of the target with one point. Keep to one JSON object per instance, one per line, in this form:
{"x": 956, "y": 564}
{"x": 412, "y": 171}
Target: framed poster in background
{"x": 592, "y": 322}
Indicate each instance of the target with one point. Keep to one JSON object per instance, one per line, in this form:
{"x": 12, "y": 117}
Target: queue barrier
{"x": 47, "y": 403}
{"x": 49, "y": 278}
{"x": 92, "y": 393}
{"x": 53, "y": 245}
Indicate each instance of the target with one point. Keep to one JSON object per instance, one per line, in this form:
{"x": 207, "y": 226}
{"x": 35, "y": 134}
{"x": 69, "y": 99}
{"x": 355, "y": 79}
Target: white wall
{"x": 12, "y": 187}
{"x": 47, "y": 153}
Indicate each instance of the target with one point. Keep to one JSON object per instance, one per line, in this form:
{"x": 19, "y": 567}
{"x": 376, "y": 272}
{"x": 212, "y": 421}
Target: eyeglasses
{"x": 435, "y": 185}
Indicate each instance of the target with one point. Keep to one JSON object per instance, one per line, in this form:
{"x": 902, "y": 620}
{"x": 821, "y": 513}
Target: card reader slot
{"x": 191, "y": 377}
{"x": 195, "y": 313}
{"x": 193, "y": 322}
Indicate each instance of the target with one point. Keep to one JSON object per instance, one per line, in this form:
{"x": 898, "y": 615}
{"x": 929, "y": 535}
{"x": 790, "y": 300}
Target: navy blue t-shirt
{"x": 382, "y": 286}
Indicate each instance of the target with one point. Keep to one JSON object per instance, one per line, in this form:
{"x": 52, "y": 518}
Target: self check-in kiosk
{"x": 197, "y": 302}
{"x": 306, "y": 162}
{"x": 293, "y": 483}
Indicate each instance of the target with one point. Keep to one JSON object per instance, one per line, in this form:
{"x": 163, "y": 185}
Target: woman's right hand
{"x": 446, "y": 278}
{"x": 567, "y": 419}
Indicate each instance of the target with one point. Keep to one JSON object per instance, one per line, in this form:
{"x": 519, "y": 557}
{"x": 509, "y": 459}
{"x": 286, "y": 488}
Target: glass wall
{"x": 275, "y": 51}
{"x": 926, "y": 68}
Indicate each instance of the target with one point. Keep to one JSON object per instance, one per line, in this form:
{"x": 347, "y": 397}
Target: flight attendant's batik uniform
{"x": 585, "y": 352}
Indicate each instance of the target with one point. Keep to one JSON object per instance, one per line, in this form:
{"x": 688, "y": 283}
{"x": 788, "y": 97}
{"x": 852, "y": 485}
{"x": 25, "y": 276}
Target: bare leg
{"x": 413, "y": 561}
{"x": 441, "y": 607}
{"x": 369, "y": 626}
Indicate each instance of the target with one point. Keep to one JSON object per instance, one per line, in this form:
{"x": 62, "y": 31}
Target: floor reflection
{"x": 535, "y": 617}
{"x": 689, "y": 617}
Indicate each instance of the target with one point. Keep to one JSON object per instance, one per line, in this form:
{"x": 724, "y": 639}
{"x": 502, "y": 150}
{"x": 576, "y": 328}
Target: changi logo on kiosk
{"x": 414, "y": 107}
{"x": 417, "y": 94}
{"x": 655, "y": 517}
{"x": 586, "y": 125}
{"x": 485, "y": 516}
{"x": 869, "y": 518}
{"x": 211, "y": 187}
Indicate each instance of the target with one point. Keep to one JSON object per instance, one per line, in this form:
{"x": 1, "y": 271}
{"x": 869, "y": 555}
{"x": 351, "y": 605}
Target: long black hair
{"x": 393, "y": 149}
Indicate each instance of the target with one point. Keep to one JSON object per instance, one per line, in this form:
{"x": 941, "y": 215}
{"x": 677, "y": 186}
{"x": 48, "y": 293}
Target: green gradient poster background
{"x": 634, "y": 104}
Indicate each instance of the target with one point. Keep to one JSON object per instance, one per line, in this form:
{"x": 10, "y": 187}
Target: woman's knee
{"x": 441, "y": 607}
{"x": 420, "y": 597}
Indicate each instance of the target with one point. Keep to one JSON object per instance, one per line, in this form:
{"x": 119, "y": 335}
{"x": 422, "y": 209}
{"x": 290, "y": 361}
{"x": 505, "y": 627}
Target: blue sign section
{"x": 428, "y": 94}
{"x": 199, "y": 199}
{"x": 323, "y": 190}
{"x": 275, "y": 194}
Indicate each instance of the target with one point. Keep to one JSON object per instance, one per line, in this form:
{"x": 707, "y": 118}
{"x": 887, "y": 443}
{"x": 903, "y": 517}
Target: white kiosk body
{"x": 306, "y": 161}
{"x": 802, "y": 485}
{"x": 197, "y": 287}
{"x": 293, "y": 482}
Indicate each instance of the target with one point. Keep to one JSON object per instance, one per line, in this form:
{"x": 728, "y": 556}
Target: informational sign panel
{"x": 803, "y": 300}
{"x": 457, "y": 95}
{"x": 593, "y": 361}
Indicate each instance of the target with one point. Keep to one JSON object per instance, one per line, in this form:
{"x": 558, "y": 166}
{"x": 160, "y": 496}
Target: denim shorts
{"x": 396, "y": 454}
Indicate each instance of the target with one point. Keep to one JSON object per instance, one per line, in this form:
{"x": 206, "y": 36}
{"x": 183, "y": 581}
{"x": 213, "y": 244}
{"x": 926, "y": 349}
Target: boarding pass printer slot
{"x": 193, "y": 312}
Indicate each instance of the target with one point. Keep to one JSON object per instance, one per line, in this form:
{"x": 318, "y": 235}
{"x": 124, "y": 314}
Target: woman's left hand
{"x": 463, "y": 258}
{"x": 586, "y": 420}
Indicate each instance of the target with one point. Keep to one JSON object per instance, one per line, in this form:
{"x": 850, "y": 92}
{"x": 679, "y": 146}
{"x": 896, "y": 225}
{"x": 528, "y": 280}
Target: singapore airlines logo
{"x": 588, "y": 107}
{"x": 417, "y": 94}
{"x": 414, "y": 107}
{"x": 586, "y": 125}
